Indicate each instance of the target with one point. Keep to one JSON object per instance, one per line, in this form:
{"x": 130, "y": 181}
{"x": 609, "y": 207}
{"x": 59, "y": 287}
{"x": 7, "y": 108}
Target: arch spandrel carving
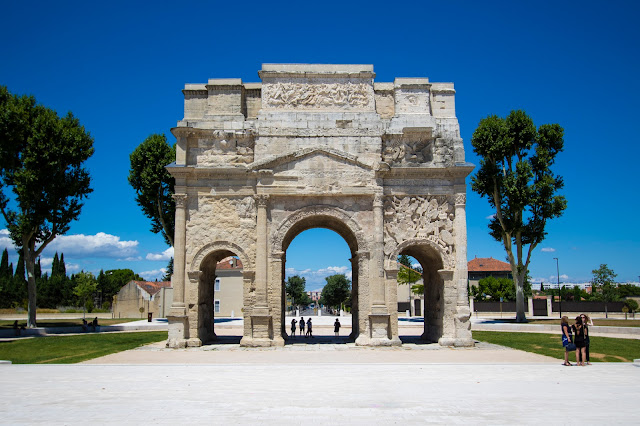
{"x": 282, "y": 232}
{"x": 203, "y": 252}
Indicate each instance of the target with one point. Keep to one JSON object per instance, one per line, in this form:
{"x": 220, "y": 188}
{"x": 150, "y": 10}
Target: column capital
{"x": 377, "y": 200}
{"x": 262, "y": 199}
{"x": 181, "y": 200}
{"x": 460, "y": 199}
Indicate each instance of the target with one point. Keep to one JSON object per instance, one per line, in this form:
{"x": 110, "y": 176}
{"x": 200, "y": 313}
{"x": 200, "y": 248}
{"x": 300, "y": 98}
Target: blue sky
{"x": 120, "y": 67}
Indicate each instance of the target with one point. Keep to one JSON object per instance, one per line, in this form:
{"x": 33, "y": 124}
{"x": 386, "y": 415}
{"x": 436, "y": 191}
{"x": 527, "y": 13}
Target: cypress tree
{"x": 4, "y": 265}
{"x": 55, "y": 266}
{"x": 63, "y": 267}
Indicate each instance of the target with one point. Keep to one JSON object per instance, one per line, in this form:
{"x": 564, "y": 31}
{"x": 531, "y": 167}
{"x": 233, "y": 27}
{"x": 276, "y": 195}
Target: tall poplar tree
{"x": 43, "y": 181}
{"x": 516, "y": 178}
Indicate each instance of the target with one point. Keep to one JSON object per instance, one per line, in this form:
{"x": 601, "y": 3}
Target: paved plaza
{"x": 314, "y": 392}
{"x": 324, "y": 380}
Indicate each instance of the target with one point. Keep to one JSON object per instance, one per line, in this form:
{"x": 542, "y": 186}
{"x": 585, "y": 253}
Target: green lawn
{"x": 597, "y": 322}
{"x": 64, "y": 322}
{"x": 602, "y": 349}
{"x": 73, "y": 349}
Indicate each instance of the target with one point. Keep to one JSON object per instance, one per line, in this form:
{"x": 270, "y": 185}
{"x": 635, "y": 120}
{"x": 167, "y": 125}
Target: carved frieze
{"x": 419, "y": 217}
{"x": 346, "y": 95}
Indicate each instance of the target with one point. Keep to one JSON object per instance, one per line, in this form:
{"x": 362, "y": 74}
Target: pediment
{"x": 280, "y": 161}
{"x": 316, "y": 171}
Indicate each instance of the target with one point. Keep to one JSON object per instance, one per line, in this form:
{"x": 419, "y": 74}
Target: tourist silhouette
{"x": 301, "y": 325}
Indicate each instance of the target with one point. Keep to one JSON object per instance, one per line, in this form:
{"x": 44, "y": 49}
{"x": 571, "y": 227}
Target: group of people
{"x": 309, "y": 333}
{"x": 579, "y": 343}
{"x": 301, "y": 326}
{"x": 93, "y": 324}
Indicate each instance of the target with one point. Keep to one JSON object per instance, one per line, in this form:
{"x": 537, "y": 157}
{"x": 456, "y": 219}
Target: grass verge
{"x": 602, "y": 349}
{"x": 73, "y": 349}
{"x": 67, "y": 322}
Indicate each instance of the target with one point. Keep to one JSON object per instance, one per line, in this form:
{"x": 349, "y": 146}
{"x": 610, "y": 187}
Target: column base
{"x": 178, "y": 331}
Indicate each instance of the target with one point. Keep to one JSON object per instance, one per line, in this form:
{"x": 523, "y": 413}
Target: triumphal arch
{"x": 381, "y": 164}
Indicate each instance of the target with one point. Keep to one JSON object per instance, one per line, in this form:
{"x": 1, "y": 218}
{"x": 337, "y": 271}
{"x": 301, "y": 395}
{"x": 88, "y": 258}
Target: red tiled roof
{"x": 487, "y": 264}
{"x": 226, "y": 263}
{"x": 152, "y": 287}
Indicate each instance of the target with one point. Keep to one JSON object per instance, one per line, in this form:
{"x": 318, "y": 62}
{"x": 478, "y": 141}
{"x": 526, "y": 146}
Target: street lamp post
{"x": 559, "y": 291}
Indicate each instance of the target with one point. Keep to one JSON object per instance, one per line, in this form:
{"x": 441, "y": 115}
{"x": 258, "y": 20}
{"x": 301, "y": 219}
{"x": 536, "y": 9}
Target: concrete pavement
{"x": 319, "y": 393}
{"x": 327, "y": 382}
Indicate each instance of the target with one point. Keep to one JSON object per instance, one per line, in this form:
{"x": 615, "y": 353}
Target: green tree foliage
{"x": 516, "y": 178}
{"x": 631, "y": 305}
{"x": 491, "y": 288}
{"x": 604, "y": 286}
{"x": 111, "y": 281}
{"x": 403, "y": 259}
{"x": 85, "y": 288}
{"x": 336, "y": 291}
{"x": 295, "y": 288}
{"x": 42, "y": 179}
{"x": 628, "y": 290}
{"x": 153, "y": 184}
{"x": 167, "y": 275}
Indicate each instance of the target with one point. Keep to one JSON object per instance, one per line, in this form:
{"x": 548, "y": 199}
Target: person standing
{"x": 578, "y": 330}
{"x": 336, "y": 327}
{"x": 586, "y": 321}
{"x": 566, "y": 339}
{"x": 301, "y": 325}
{"x": 293, "y": 327}
{"x": 309, "y": 331}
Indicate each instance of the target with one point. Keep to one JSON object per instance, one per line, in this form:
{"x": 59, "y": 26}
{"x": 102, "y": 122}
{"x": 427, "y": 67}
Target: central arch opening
{"x": 317, "y": 248}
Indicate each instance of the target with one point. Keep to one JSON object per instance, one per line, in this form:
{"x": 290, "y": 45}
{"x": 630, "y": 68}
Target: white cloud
{"x": 165, "y": 255}
{"x": 5, "y": 240}
{"x": 98, "y": 245}
{"x": 490, "y": 217}
{"x": 315, "y": 279}
{"x": 563, "y": 278}
{"x": 547, "y": 250}
{"x": 156, "y": 274}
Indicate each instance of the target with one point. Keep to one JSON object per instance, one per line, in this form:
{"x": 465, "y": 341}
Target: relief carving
{"x": 225, "y": 147}
{"x": 299, "y": 95}
{"x": 429, "y": 218}
{"x": 443, "y": 151}
{"x": 402, "y": 151}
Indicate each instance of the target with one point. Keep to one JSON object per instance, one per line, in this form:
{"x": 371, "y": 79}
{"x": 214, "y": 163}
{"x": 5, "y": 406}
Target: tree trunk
{"x": 520, "y": 312}
{"x": 31, "y": 287}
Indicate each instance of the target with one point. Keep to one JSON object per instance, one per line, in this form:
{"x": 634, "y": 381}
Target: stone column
{"x": 377, "y": 277}
{"x": 177, "y": 318}
{"x": 463, "y": 313}
{"x": 261, "y": 252}
{"x": 261, "y": 321}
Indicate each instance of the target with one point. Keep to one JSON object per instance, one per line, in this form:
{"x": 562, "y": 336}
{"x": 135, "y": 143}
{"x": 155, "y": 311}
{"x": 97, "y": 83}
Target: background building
{"x": 483, "y": 267}
{"x": 137, "y": 298}
{"x": 228, "y": 288}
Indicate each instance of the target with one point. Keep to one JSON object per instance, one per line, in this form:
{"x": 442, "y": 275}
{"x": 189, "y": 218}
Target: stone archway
{"x": 382, "y": 164}
{"x": 202, "y": 277}
{"x": 337, "y": 220}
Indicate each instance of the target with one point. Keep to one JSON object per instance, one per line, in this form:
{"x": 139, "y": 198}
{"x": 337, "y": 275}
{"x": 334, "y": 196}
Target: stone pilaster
{"x": 449, "y": 313}
{"x": 377, "y": 281}
{"x": 463, "y": 314}
{"x": 177, "y": 318}
{"x": 261, "y": 255}
{"x": 262, "y": 327}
